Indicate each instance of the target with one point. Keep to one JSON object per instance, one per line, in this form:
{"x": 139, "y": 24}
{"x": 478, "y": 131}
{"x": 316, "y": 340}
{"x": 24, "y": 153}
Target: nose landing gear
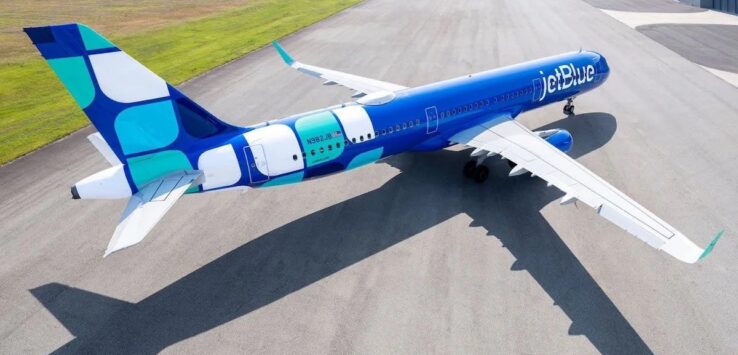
{"x": 569, "y": 107}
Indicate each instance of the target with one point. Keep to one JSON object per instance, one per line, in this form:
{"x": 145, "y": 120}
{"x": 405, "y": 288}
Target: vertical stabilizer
{"x": 148, "y": 125}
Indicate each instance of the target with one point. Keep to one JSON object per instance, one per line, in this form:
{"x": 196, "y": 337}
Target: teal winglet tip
{"x": 282, "y": 53}
{"x": 712, "y": 244}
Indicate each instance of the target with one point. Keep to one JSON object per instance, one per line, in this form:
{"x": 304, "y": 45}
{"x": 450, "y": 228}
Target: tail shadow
{"x": 302, "y": 252}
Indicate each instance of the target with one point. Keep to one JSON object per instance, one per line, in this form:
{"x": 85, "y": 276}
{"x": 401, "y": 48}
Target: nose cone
{"x": 601, "y": 65}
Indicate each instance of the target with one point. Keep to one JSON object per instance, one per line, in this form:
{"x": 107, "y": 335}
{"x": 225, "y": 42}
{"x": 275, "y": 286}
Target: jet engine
{"x": 559, "y": 138}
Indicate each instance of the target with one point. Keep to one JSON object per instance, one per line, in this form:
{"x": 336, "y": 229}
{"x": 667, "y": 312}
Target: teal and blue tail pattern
{"x": 148, "y": 124}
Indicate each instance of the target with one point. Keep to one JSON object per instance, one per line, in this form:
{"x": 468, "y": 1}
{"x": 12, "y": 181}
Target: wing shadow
{"x": 303, "y": 251}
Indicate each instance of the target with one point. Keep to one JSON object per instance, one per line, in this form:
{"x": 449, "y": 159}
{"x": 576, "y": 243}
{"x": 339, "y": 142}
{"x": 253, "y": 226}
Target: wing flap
{"x": 533, "y": 154}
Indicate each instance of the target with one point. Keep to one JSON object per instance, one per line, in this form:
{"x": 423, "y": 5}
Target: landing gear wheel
{"x": 469, "y": 169}
{"x": 481, "y": 173}
{"x": 569, "y": 107}
{"x": 569, "y": 110}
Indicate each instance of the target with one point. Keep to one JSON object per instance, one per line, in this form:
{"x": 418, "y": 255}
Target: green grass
{"x": 36, "y": 110}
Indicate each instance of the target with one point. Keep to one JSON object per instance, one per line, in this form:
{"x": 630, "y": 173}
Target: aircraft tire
{"x": 469, "y": 169}
{"x": 481, "y": 173}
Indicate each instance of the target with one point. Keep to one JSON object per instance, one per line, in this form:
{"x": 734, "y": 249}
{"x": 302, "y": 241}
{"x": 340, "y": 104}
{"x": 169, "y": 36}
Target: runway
{"x": 404, "y": 256}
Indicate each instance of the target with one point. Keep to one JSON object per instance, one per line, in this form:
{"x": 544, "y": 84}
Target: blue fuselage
{"x": 344, "y": 137}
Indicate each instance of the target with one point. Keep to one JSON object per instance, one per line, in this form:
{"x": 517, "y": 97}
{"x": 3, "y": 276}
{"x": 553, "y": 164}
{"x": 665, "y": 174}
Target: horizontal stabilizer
{"x": 97, "y": 140}
{"x": 148, "y": 206}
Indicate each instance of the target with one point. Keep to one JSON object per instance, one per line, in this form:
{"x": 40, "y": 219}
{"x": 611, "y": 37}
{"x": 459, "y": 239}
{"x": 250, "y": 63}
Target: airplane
{"x": 162, "y": 145}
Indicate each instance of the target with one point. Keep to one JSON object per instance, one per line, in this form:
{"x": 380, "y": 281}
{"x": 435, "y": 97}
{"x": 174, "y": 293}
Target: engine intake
{"x": 559, "y": 138}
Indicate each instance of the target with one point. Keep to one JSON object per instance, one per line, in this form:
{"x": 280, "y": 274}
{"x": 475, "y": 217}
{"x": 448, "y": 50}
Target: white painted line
{"x": 635, "y": 19}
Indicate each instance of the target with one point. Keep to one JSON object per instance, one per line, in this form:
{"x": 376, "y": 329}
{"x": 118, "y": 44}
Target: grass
{"x": 36, "y": 110}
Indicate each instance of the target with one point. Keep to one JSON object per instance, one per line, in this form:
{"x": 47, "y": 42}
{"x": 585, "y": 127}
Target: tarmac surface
{"x": 645, "y": 6}
{"x": 718, "y": 44}
{"x": 405, "y": 256}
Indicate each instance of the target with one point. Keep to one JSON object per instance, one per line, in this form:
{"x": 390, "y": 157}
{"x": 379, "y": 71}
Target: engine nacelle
{"x": 559, "y": 138}
{"x": 110, "y": 183}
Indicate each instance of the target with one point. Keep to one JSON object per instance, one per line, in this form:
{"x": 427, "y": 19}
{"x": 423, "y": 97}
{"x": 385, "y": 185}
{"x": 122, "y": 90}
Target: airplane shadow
{"x": 304, "y": 251}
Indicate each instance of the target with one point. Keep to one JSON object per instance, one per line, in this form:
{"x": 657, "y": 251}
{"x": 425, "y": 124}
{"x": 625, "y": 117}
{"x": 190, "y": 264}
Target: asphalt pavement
{"x": 404, "y": 256}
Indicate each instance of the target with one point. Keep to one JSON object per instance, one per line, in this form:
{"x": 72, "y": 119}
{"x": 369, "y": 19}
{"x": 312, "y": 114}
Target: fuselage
{"x": 350, "y": 135}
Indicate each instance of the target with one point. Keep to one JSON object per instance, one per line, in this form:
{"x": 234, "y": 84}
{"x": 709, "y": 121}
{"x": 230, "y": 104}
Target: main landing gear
{"x": 478, "y": 173}
{"x": 569, "y": 107}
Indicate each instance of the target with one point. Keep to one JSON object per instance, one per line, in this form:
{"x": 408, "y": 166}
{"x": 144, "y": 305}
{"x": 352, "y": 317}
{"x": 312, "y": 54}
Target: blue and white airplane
{"x": 161, "y": 145}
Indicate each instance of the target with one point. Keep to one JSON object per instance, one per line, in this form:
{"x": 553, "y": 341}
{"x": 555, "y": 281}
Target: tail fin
{"x": 148, "y": 124}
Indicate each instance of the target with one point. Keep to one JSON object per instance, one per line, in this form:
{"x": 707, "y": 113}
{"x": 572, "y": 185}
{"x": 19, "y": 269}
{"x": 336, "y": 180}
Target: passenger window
{"x": 453, "y": 112}
{"x": 397, "y": 127}
{"x": 303, "y": 155}
{"x": 321, "y": 150}
{"x": 368, "y": 136}
{"x": 442, "y": 115}
{"x": 384, "y": 131}
{"x": 486, "y": 102}
{"x": 361, "y": 138}
{"x": 330, "y": 147}
{"x": 417, "y": 121}
{"x": 353, "y": 140}
{"x": 312, "y": 152}
{"x": 404, "y": 125}
{"x": 410, "y": 123}
{"x": 338, "y": 145}
{"x": 294, "y": 157}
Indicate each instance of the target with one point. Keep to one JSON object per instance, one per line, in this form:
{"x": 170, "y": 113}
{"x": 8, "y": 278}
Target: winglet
{"x": 282, "y": 53}
{"x": 711, "y": 245}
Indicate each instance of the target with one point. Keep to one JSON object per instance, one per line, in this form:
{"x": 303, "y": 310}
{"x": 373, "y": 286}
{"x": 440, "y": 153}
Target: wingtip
{"x": 710, "y": 246}
{"x": 283, "y": 53}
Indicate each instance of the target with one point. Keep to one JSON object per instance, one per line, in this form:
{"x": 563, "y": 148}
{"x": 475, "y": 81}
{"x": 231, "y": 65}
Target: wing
{"x": 362, "y": 86}
{"x": 147, "y": 207}
{"x": 503, "y": 135}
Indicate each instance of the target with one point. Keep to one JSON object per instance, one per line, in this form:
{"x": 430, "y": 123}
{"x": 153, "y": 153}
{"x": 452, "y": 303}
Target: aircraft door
{"x": 537, "y": 89}
{"x": 431, "y": 115}
{"x": 258, "y": 167}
